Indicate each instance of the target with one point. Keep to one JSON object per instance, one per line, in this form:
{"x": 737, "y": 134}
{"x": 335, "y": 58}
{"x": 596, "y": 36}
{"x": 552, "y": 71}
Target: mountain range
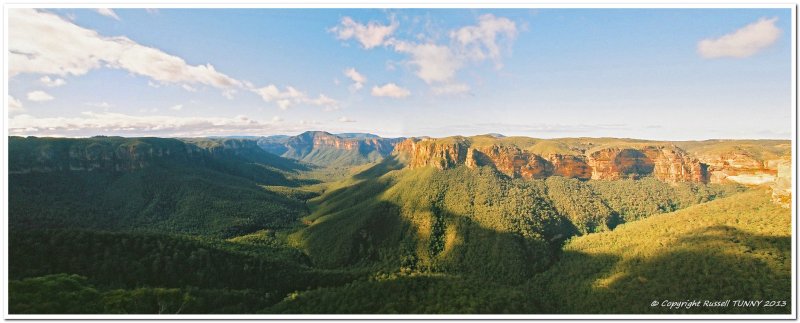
{"x": 411, "y": 225}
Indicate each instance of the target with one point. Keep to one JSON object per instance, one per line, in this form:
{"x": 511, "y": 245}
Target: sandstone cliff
{"x": 667, "y": 163}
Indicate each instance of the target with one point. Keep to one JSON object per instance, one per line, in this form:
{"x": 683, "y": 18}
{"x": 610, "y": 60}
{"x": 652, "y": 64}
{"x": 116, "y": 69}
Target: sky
{"x": 665, "y": 74}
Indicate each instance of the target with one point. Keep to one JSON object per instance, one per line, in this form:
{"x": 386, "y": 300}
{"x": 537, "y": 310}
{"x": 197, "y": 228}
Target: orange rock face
{"x": 512, "y": 161}
{"x": 669, "y": 164}
{"x": 427, "y": 152}
{"x": 570, "y": 166}
{"x": 730, "y": 166}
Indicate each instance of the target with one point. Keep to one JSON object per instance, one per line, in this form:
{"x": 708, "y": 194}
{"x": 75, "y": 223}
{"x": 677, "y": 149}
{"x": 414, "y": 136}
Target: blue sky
{"x": 674, "y": 74}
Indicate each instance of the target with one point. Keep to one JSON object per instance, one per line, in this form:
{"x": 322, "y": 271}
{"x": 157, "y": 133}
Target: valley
{"x": 356, "y": 223}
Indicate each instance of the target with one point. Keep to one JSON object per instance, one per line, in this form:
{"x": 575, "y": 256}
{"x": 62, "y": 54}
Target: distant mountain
{"x": 326, "y": 149}
{"x": 357, "y": 135}
{"x": 197, "y": 186}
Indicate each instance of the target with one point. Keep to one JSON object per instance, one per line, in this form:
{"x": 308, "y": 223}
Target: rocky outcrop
{"x": 570, "y": 166}
{"x": 782, "y": 186}
{"x": 429, "y": 152}
{"x": 740, "y": 167}
{"x": 669, "y": 164}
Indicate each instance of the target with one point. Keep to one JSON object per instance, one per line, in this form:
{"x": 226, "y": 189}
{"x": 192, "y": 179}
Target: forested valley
{"x": 224, "y": 226}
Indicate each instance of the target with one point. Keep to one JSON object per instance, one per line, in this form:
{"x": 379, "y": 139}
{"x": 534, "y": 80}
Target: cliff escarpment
{"x": 116, "y": 154}
{"x": 667, "y": 163}
{"x": 326, "y": 149}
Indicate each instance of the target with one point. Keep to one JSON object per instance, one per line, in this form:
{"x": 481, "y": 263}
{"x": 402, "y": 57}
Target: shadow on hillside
{"x": 386, "y": 165}
{"x": 358, "y": 228}
{"x": 716, "y": 264}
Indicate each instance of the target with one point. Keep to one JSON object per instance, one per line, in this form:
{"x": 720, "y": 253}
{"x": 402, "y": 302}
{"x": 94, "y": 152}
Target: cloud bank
{"x": 44, "y": 43}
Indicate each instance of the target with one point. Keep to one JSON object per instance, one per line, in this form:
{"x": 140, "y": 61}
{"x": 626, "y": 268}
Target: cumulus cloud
{"x": 390, "y": 90}
{"x": 437, "y": 63}
{"x": 14, "y": 105}
{"x": 370, "y": 35}
{"x": 346, "y": 119}
{"x": 291, "y": 96}
{"x": 357, "y": 78}
{"x": 434, "y": 63}
{"x": 744, "y": 42}
{"x": 47, "y": 81}
{"x": 176, "y": 107}
{"x": 39, "y": 96}
{"x": 107, "y": 12}
{"x": 485, "y": 40}
{"x": 44, "y": 43}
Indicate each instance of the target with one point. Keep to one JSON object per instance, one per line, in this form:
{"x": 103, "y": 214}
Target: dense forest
{"x": 179, "y": 226}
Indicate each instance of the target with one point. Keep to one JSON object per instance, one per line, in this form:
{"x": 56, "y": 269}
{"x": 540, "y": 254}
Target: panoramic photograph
{"x": 319, "y": 162}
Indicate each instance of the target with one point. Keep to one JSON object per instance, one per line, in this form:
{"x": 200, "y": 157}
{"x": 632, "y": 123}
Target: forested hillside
{"x": 475, "y": 221}
{"x": 152, "y": 225}
{"x": 735, "y": 248}
{"x": 732, "y": 248}
{"x": 209, "y": 187}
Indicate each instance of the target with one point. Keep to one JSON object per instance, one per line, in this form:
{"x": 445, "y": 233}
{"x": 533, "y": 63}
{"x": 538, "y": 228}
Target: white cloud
{"x": 482, "y": 41}
{"x": 346, "y": 119}
{"x": 47, "y": 81}
{"x": 370, "y": 35}
{"x": 434, "y": 63}
{"x": 452, "y": 88}
{"x": 291, "y": 96}
{"x": 277, "y": 119}
{"x": 14, "y": 105}
{"x": 93, "y": 123}
{"x": 390, "y": 90}
{"x": 44, "y": 43}
{"x": 39, "y": 96}
{"x": 744, "y": 42}
{"x": 357, "y": 78}
{"x": 107, "y": 12}
{"x": 176, "y": 107}
{"x": 188, "y": 88}
{"x": 437, "y": 62}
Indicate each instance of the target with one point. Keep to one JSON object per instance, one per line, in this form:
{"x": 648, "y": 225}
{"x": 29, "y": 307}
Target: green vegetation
{"x": 149, "y": 263}
{"x": 217, "y": 192}
{"x": 472, "y": 222}
{"x": 732, "y": 248}
{"x": 150, "y": 225}
{"x": 410, "y": 294}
